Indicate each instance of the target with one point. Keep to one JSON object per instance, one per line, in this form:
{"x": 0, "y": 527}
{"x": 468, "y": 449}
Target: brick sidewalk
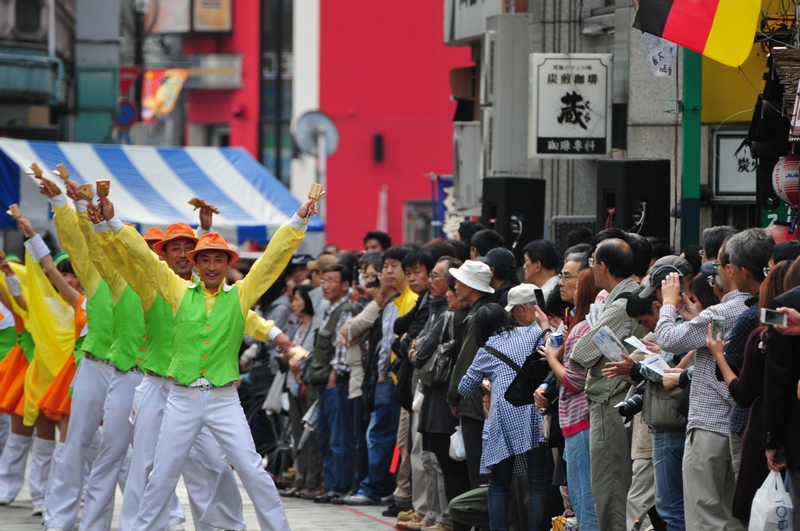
{"x": 303, "y": 515}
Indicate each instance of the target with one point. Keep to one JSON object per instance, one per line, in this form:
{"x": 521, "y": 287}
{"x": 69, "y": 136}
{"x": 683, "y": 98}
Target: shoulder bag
{"x": 439, "y": 367}
{"x": 530, "y": 376}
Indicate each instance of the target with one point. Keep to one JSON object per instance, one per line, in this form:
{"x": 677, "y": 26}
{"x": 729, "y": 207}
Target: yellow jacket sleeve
{"x": 143, "y": 266}
{"x": 99, "y": 258}
{"x": 120, "y": 262}
{"x": 74, "y": 244}
{"x": 271, "y": 264}
{"x": 257, "y": 327}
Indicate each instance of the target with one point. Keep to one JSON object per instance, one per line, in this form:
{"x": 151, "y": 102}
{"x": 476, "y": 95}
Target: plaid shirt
{"x": 734, "y": 355}
{"x": 509, "y": 430}
{"x": 710, "y": 401}
{"x": 339, "y": 361}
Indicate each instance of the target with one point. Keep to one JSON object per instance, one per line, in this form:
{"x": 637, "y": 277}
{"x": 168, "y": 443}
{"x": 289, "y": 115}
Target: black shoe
{"x": 338, "y": 500}
{"x": 327, "y": 497}
{"x": 392, "y": 511}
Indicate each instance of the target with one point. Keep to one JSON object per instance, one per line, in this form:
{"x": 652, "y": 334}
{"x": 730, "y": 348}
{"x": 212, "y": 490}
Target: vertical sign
{"x": 570, "y": 113}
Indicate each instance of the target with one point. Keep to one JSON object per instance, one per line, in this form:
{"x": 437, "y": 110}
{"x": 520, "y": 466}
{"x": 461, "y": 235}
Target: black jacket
{"x": 782, "y": 371}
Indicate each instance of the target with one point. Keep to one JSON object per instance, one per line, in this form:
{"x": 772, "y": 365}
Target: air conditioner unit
{"x": 467, "y": 165}
{"x": 504, "y": 95}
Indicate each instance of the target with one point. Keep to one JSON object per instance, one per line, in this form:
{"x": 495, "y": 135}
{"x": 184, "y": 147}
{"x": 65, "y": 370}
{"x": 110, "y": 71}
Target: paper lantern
{"x": 785, "y": 177}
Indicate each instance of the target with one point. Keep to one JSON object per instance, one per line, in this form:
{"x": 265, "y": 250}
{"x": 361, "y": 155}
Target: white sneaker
{"x": 37, "y": 509}
{"x": 176, "y": 527}
{"x": 5, "y": 501}
{"x": 54, "y": 529}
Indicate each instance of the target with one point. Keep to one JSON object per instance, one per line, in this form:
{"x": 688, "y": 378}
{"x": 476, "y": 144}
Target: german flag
{"x": 722, "y": 30}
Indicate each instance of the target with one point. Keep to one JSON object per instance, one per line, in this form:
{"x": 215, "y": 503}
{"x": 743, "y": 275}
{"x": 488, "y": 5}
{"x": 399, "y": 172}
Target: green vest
{"x": 25, "y": 340}
{"x": 207, "y": 346}
{"x": 78, "y": 352}
{"x": 127, "y": 350}
{"x": 158, "y": 324}
{"x": 8, "y": 338}
{"x": 99, "y": 315}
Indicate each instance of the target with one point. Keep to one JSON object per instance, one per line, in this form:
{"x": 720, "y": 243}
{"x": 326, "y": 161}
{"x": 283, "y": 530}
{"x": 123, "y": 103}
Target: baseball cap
{"x": 522, "y": 294}
{"x": 502, "y": 260}
{"x": 322, "y": 261}
{"x": 661, "y": 269}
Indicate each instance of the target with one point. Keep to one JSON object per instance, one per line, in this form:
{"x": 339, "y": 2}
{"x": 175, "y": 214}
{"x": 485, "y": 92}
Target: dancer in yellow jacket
{"x": 204, "y": 365}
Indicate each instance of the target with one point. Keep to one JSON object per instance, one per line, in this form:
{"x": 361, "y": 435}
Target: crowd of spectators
{"x": 402, "y": 400}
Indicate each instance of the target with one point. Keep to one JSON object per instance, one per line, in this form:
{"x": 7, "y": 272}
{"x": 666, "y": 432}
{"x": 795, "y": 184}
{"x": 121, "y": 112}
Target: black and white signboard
{"x": 570, "y": 113}
{"x": 734, "y": 167}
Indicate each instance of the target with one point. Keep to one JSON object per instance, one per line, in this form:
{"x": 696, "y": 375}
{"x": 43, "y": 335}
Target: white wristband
{"x": 37, "y": 248}
{"x": 81, "y": 205}
{"x": 14, "y": 287}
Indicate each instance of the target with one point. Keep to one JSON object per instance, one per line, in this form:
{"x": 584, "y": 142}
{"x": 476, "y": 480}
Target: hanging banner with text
{"x": 160, "y": 91}
{"x": 570, "y": 112}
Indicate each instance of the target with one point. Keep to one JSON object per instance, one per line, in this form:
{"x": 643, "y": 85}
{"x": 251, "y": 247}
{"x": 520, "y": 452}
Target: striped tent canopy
{"x": 151, "y": 186}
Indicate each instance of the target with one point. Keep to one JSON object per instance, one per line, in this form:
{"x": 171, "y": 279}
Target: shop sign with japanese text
{"x": 570, "y": 114}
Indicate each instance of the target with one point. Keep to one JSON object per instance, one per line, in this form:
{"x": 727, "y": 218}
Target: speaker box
{"x": 636, "y": 189}
{"x": 513, "y": 202}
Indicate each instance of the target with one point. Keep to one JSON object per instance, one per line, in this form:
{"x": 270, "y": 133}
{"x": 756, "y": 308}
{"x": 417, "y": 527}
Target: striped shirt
{"x": 709, "y": 400}
{"x": 573, "y": 408}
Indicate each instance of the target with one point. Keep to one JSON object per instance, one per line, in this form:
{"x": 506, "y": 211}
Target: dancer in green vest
{"x": 204, "y": 365}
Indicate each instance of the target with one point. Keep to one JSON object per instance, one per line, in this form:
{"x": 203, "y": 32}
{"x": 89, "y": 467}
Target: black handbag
{"x": 529, "y": 377}
{"x": 438, "y": 369}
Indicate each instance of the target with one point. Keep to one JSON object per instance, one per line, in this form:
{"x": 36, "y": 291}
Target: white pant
{"x": 5, "y": 429}
{"x": 98, "y": 507}
{"x": 89, "y": 389}
{"x": 12, "y": 465}
{"x": 188, "y": 410}
{"x": 203, "y": 470}
{"x": 41, "y": 459}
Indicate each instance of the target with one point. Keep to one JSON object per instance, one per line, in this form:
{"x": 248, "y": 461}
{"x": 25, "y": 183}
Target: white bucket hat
{"x": 474, "y": 274}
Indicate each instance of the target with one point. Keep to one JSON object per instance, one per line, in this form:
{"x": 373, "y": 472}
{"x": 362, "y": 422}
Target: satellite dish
{"x": 313, "y": 130}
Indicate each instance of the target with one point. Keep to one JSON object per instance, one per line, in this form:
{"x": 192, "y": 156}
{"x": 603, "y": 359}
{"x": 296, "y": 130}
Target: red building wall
{"x": 219, "y": 106}
{"x": 384, "y": 70}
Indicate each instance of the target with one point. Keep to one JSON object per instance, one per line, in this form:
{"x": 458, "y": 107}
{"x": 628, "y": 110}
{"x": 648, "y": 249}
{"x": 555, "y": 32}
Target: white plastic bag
{"x": 772, "y": 508}
{"x": 457, "y": 450}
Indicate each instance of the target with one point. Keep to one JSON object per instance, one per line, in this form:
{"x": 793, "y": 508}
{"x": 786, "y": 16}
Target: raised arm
{"x": 140, "y": 262}
{"x": 271, "y": 264}
{"x": 71, "y": 238}
{"x": 13, "y": 286}
{"x": 40, "y": 252}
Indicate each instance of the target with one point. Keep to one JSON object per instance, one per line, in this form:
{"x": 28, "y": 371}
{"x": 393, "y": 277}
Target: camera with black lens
{"x": 629, "y": 407}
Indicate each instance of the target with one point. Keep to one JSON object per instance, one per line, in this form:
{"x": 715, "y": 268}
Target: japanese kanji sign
{"x": 570, "y": 114}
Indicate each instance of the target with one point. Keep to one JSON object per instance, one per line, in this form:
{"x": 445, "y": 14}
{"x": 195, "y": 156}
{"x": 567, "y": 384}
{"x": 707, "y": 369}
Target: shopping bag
{"x": 772, "y": 508}
{"x": 457, "y": 450}
{"x": 273, "y": 401}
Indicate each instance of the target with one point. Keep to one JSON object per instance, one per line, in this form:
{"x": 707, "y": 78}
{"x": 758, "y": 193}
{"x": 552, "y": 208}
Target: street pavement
{"x": 303, "y": 515}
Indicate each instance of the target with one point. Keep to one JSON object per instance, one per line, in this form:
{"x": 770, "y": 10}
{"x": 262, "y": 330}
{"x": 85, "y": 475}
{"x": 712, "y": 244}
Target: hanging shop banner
{"x": 661, "y": 54}
{"x": 160, "y": 91}
{"x": 570, "y": 112}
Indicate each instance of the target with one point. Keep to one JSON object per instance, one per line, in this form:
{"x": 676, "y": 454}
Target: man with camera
{"x": 668, "y": 425}
{"x": 612, "y": 263}
{"x": 708, "y": 477}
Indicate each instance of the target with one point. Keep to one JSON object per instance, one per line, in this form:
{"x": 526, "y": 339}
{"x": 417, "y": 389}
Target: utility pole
{"x": 690, "y": 166}
{"x": 139, "y": 10}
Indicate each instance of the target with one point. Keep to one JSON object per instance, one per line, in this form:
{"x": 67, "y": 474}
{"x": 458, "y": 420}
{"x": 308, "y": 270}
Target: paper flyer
{"x": 609, "y": 345}
{"x": 656, "y": 364}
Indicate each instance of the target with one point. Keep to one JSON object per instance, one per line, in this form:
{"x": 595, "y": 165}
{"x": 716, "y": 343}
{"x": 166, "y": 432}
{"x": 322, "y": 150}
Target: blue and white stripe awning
{"x": 151, "y": 186}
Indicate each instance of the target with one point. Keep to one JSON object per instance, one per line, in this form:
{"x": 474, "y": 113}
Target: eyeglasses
{"x": 435, "y": 276}
{"x": 766, "y": 270}
{"x": 716, "y": 265}
{"x": 324, "y": 282}
{"x": 591, "y": 262}
{"x": 567, "y": 277}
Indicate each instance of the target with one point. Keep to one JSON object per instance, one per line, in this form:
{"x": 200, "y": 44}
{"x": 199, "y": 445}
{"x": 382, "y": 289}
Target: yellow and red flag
{"x": 722, "y": 30}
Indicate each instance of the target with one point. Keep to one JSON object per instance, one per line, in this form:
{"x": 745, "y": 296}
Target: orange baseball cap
{"x": 154, "y": 234}
{"x": 174, "y": 232}
{"x": 212, "y": 242}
